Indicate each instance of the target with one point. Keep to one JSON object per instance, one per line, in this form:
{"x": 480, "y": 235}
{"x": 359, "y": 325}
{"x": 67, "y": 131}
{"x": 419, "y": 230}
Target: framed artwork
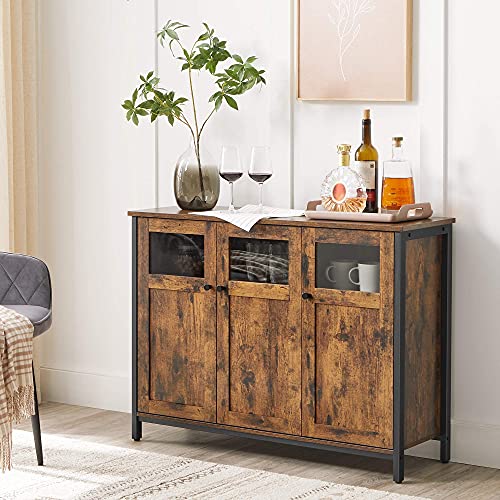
{"x": 358, "y": 50}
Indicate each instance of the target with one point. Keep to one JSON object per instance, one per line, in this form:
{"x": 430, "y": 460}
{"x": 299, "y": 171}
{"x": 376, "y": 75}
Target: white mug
{"x": 337, "y": 273}
{"x": 369, "y": 277}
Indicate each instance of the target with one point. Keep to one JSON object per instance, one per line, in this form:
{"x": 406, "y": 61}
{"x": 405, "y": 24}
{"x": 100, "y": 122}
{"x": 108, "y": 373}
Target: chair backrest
{"x": 24, "y": 280}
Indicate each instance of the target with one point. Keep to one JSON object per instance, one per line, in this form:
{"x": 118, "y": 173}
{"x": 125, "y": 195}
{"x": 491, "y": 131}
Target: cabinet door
{"x": 176, "y": 319}
{"x": 259, "y": 343}
{"x": 347, "y": 336}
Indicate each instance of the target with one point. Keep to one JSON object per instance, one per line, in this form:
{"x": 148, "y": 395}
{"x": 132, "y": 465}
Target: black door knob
{"x": 220, "y": 288}
{"x": 207, "y": 287}
{"x": 306, "y": 295}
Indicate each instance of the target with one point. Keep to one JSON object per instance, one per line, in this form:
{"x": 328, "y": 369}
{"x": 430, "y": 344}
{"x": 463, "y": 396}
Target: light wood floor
{"x": 426, "y": 478}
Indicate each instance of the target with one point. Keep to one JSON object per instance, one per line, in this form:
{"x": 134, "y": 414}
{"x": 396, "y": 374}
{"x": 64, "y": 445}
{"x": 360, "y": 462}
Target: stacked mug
{"x": 352, "y": 275}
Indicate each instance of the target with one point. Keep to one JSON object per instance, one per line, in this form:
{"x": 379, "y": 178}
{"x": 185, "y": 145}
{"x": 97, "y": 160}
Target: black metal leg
{"x": 35, "y": 424}
{"x": 136, "y": 428}
{"x": 445, "y": 436}
{"x": 136, "y": 424}
{"x": 399, "y": 357}
{"x": 398, "y": 467}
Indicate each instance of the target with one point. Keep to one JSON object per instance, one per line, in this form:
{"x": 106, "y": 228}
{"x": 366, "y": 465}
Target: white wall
{"x": 474, "y": 107}
{"x": 95, "y": 166}
{"x": 259, "y": 28}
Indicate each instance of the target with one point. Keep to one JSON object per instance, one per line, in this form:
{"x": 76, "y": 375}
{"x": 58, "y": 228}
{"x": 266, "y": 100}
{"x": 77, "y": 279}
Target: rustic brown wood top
{"x": 177, "y": 213}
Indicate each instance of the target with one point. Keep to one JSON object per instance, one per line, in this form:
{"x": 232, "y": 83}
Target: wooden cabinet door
{"x": 347, "y": 338}
{"x": 177, "y": 318}
{"x": 258, "y": 335}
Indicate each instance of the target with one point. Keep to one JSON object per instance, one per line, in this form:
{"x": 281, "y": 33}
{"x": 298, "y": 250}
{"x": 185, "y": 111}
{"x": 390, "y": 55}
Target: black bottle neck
{"x": 367, "y": 131}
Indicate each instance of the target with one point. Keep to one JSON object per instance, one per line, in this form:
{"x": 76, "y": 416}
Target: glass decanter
{"x": 343, "y": 189}
{"x": 397, "y": 184}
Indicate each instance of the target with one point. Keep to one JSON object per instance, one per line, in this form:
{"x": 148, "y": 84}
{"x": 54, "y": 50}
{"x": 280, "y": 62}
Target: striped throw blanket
{"x": 16, "y": 377}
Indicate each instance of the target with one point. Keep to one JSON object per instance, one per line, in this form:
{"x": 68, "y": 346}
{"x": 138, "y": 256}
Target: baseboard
{"x": 471, "y": 443}
{"x": 86, "y": 389}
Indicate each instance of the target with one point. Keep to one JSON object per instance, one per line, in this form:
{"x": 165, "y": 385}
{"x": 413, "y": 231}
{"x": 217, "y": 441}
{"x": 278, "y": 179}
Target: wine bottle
{"x": 367, "y": 164}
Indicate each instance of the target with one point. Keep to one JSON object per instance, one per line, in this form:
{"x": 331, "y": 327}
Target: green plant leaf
{"x": 213, "y": 97}
{"x": 129, "y": 114}
{"x": 171, "y": 119}
{"x": 232, "y": 74}
{"x": 238, "y": 58}
{"x": 172, "y": 34}
{"x": 204, "y": 36}
{"x": 146, "y": 104}
{"x": 135, "y": 120}
{"x": 218, "y": 103}
{"x": 180, "y": 100}
{"x": 231, "y": 101}
{"x": 134, "y": 96}
{"x": 251, "y": 59}
{"x": 211, "y": 66}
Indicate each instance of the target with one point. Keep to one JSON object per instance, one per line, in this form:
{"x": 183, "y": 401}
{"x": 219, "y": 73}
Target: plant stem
{"x": 205, "y": 122}
{"x": 197, "y": 139}
{"x": 193, "y": 103}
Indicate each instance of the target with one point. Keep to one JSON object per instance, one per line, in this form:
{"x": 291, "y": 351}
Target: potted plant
{"x": 196, "y": 180}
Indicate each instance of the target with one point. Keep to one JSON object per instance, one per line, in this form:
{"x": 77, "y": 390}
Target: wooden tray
{"x": 406, "y": 213}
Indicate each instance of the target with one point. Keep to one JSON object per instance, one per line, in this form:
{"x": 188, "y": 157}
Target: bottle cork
{"x": 366, "y": 114}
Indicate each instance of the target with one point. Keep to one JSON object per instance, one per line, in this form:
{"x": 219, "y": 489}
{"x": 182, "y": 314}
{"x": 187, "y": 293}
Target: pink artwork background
{"x": 373, "y": 45}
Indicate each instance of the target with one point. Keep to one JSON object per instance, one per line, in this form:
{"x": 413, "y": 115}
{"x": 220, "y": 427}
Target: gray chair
{"x": 25, "y": 287}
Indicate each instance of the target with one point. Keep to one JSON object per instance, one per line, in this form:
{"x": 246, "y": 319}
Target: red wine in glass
{"x": 231, "y": 176}
{"x": 260, "y": 178}
{"x": 261, "y": 168}
{"x": 230, "y": 168}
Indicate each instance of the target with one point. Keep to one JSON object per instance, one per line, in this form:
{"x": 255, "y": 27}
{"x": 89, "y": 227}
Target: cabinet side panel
{"x": 142, "y": 315}
{"x": 423, "y": 330}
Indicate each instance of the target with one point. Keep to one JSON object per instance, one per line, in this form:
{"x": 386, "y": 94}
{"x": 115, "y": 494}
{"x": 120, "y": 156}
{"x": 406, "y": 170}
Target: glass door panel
{"x": 258, "y": 260}
{"x": 176, "y": 254}
{"x": 351, "y": 267}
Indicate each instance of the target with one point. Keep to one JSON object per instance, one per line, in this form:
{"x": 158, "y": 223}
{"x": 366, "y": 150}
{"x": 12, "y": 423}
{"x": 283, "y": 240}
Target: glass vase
{"x": 196, "y": 179}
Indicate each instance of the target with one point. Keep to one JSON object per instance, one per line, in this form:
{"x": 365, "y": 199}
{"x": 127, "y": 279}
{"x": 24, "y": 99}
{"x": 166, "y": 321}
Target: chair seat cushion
{"x": 40, "y": 317}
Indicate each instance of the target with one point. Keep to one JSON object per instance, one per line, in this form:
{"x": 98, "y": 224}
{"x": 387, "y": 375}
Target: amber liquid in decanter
{"x": 397, "y": 192}
{"x": 397, "y": 183}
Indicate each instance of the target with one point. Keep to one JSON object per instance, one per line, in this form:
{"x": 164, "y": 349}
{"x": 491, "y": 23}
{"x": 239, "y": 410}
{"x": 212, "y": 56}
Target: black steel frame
{"x": 399, "y": 395}
{"x": 397, "y": 456}
{"x": 136, "y": 423}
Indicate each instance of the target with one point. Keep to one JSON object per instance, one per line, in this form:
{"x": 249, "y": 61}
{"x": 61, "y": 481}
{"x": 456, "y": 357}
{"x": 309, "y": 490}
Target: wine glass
{"x": 261, "y": 168}
{"x": 230, "y": 168}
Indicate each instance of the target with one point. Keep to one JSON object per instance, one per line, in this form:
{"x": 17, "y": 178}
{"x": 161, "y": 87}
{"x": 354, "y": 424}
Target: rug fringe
{"x": 6, "y": 452}
{"x": 22, "y": 403}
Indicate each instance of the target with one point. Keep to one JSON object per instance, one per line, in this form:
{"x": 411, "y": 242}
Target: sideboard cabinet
{"x": 262, "y": 334}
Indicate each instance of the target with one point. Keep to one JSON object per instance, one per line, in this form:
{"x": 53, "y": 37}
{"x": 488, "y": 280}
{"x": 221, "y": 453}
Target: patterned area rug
{"x": 83, "y": 470}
